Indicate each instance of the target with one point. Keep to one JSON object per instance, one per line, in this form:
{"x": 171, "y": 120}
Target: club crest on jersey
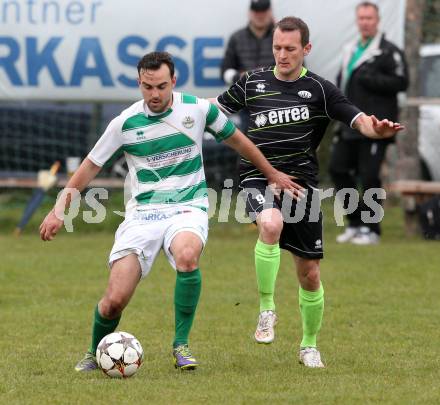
{"x": 305, "y": 94}
{"x": 261, "y": 88}
{"x": 188, "y": 122}
{"x": 283, "y": 116}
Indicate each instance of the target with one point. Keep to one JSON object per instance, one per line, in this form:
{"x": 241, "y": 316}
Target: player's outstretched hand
{"x": 279, "y": 181}
{"x": 386, "y": 128}
{"x": 50, "y": 226}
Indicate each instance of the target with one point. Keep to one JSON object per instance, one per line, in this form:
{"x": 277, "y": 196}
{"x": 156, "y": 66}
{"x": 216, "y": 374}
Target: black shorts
{"x": 302, "y": 229}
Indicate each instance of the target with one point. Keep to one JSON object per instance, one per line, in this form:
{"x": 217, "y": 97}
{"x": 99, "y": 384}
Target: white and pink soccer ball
{"x": 119, "y": 355}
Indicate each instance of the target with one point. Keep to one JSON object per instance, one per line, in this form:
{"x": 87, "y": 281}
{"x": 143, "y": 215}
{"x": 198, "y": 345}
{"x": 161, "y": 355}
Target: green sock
{"x": 311, "y": 305}
{"x": 267, "y": 263}
{"x": 101, "y": 327}
{"x": 186, "y": 297}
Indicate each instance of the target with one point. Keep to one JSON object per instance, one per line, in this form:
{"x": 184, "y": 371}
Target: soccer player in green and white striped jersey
{"x": 161, "y": 137}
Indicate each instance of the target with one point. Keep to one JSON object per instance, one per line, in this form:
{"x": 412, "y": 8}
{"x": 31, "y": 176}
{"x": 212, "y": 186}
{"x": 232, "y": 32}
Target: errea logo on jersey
{"x": 304, "y": 94}
{"x": 261, "y": 88}
{"x": 283, "y": 116}
{"x": 260, "y": 120}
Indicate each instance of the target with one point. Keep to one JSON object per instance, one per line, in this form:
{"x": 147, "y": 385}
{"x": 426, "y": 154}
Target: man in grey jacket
{"x": 373, "y": 71}
{"x": 250, "y": 47}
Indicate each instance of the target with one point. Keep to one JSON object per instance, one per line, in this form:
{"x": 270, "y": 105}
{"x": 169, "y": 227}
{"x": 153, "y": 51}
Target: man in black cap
{"x": 250, "y": 47}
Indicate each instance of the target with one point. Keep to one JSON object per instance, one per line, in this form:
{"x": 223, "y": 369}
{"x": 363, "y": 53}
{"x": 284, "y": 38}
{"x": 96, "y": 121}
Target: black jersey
{"x": 287, "y": 119}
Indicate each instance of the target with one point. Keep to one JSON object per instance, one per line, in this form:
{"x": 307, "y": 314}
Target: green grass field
{"x": 379, "y": 337}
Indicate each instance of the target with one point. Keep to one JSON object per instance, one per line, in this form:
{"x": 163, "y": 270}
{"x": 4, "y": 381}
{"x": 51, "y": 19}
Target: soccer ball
{"x": 119, "y": 355}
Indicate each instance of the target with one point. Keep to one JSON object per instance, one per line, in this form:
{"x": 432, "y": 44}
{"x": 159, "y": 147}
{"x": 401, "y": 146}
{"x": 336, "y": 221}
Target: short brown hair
{"x": 154, "y": 60}
{"x": 294, "y": 24}
{"x": 368, "y": 4}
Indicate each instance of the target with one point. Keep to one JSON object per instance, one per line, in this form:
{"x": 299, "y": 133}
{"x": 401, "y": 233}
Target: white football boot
{"x": 265, "y": 332}
{"x": 310, "y": 357}
{"x": 365, "y": 237}
{"x": 349, "y": 233}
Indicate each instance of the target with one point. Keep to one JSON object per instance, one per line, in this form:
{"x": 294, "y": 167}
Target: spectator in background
{"x": 250, "y": 47}
{"x": 373, "y": 71}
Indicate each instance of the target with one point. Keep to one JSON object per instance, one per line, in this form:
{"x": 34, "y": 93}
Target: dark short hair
{"x": 294, "y": 24}
{"x": 368, "y": 4}
{"x": 154, "y": 60}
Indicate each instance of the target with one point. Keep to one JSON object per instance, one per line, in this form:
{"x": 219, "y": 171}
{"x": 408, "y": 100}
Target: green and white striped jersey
{"x": 163, "y": 151}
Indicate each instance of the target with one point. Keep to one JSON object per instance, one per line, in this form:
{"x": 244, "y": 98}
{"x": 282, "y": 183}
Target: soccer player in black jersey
{"x": 289, "y": 109}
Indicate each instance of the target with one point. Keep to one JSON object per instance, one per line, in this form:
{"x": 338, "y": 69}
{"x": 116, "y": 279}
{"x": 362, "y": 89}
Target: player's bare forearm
{"x": 371, "y": 127}
{"x": 79, "y": 181}
{"x": 84, "y": 175}
{"x": 249, "y": 151}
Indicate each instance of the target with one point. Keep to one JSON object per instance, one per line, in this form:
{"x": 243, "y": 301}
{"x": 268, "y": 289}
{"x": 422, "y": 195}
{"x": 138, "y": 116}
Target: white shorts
{"x": 146, "y": 232}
